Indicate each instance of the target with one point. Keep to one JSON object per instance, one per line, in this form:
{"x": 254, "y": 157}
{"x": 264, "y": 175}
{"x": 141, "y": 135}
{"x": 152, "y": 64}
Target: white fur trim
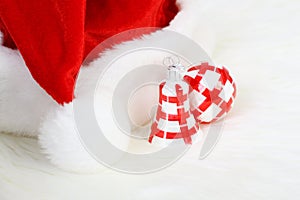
{"x": 23, "y": 103}
{"x": 61, "y": 143}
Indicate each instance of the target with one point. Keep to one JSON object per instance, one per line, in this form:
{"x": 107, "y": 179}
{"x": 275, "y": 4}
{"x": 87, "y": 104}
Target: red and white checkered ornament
{"x": 213, "y": 93}
{"x": 174, "y": 121}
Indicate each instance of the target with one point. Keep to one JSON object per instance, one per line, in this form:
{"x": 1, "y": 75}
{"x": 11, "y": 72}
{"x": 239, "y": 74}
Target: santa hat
{"x": 43, "y": 46}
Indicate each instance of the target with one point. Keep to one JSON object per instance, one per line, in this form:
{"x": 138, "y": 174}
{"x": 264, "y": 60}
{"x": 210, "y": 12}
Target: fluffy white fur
{"x": 257, "y": 157}
{"x": 23, "y": 102}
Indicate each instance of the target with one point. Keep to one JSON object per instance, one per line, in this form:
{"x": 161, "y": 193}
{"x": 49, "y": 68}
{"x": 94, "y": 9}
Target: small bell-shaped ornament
{"x": 173, "y": 120}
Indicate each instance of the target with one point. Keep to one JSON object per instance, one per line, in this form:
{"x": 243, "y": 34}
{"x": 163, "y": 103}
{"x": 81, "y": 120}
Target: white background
{"x": 258, "y": 156}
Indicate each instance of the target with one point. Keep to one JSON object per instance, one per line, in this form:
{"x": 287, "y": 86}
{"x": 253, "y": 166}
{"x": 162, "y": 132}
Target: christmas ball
{"x": 213, "y": 92}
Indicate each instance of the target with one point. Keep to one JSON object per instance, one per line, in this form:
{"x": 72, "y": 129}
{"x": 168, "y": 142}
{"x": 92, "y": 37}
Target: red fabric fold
{"x": 55, "y": 36}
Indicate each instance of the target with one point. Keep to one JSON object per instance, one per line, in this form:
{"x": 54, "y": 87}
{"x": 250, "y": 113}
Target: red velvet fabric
{"x": 55, "y": 36}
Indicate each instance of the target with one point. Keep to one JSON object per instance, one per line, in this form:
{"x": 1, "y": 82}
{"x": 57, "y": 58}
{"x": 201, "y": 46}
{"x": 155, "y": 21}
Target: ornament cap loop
{"x": 174, "y": 73}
